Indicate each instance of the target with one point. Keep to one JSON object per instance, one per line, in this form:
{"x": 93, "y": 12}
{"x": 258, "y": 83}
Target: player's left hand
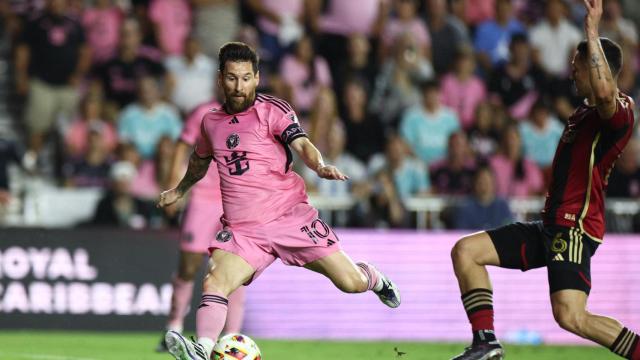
{"x": 331, "y": 172}
{"x": 168, "y": 197}
{"x": 594, "y": 14}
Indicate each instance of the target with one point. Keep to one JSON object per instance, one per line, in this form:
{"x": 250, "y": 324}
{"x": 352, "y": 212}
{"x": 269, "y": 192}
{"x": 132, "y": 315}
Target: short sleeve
{"x": 623, "y": 117}
{"x": 203, "y": 148}
{"x": 286, "y": 127}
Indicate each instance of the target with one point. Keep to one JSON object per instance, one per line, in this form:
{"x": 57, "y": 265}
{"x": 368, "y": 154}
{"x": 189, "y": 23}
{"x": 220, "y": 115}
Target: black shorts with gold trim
{"x": 566, "y": 252}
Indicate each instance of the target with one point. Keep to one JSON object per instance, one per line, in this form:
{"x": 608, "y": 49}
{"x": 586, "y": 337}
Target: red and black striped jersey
{"x": 585, "y": 155}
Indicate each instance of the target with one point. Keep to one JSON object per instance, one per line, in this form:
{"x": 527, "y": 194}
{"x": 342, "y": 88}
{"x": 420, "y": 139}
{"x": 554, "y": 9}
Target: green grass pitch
{"x": 43, "y": 345}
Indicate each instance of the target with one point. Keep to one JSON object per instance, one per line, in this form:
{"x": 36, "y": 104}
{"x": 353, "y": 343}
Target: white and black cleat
{"x": 182, "y": 348}
{"x": 482, "y": 351}
{"x": 389, "y": 294}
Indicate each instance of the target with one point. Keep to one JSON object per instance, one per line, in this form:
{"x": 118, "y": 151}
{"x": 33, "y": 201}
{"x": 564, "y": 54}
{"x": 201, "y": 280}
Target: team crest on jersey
{"x": 232, "y": 141}
{"x": 224, "y": 236}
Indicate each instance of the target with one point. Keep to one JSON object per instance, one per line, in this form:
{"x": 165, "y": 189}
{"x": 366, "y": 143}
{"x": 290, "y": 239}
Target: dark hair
{"x": 612, "y": 52}
{"x": 429, "y": 85}
{"x": 237, "y": 52}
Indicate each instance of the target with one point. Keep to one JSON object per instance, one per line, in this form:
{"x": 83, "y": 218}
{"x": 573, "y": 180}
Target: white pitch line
{"x": 45, "y": 357}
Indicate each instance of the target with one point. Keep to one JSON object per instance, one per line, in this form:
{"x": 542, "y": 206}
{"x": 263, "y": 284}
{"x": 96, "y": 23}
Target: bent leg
{"x": 342, "y": 271}
{"x": 570, "y": 312}
{"x": 188, "y": 266}
{"x": 470, "y": 255}
{"x": 235, "y": 311}
{"x": 226, "y": 273}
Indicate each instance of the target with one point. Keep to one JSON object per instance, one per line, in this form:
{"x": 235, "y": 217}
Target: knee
{"x": 215, "y": 283}
{"x": 462, "y": 252}
{"x": 354, "y": 282}
{"x": 570, "y": 319}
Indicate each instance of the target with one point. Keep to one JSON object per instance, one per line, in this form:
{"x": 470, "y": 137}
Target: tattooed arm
{"x": 197, "y": 170}
{"x": 603, "y": 84}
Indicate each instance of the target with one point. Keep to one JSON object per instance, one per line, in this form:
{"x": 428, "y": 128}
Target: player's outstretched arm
{"x": 602, "y": 81}
{"x": 197, "y": 170}
{"x": 313, "y": 159}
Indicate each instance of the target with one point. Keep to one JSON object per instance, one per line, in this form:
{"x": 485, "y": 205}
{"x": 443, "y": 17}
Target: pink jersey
{"x": 209, "y": 186}
{"x": 253, "y": 158}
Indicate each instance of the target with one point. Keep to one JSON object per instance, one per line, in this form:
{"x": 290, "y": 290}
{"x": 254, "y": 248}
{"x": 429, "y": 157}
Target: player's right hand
{"x": 169, "y": 197}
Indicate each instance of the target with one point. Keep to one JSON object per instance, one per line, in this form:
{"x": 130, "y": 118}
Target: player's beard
{"x": 237, "y": 107}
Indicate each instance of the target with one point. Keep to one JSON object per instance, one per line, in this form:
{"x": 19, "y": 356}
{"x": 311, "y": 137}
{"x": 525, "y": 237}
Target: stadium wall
{"x": 119, "y": 280}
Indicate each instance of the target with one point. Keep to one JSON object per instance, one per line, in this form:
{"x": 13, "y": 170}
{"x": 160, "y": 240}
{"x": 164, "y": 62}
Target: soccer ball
{"x": 236, "y": 347}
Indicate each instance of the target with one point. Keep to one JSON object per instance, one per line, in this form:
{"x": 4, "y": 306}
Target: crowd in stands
{"x": 462, "y": 98}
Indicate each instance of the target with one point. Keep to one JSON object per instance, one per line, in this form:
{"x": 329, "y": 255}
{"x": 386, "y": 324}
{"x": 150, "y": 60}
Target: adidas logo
{"x": 234, "y": 121}
{"x": 558, "y": 257}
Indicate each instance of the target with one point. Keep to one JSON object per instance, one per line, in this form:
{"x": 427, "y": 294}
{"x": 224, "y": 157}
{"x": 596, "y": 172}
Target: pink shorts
{"x": 298, "y": 237}
{"x": 200, "y": 224}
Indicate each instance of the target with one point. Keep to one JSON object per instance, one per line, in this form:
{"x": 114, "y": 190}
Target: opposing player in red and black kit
{"x": 573, "y": 217}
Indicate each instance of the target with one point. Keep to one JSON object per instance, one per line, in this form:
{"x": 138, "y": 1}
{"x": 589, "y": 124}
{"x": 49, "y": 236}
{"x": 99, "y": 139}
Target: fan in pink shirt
{"x": 199, "y": 227}
{"x": 172, "y": 20}
{"x": 266, "y": 212}
{"x": 102, "y": 26}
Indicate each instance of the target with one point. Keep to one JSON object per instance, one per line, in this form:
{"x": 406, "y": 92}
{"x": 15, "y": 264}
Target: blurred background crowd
{"x": 444, "y": 113}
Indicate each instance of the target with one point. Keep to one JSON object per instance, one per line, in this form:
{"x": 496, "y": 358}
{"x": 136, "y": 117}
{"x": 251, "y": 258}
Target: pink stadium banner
{"x": 287, "y": 302}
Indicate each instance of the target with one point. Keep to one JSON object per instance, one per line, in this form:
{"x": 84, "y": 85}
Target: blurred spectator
{"x": 280, "y": 23}
{"x": 323, "y": 117}
{"x": 10, "y": 153}
{"x": 216, "y": 22}
{"x": 616, "y": 27}
{"x": 516, "y": 83}
{"x": 632, "y": 11}
{"x": 51, "y": 60}
{"x": 356, "y": 185}
{"x": 397, "y": 178}
{"x": 91, "y": 118}
{"x": 454, "y": 174}
{"x": 484, "y": 209}
{"x": 448, "y": 34}
{"x": 427, "y": 126}
{"x": 145, "y": 122}
{"x": 554, "y": 40}
{"x": 406, "y": 20}
{"x": 306, "y": 73}
{"x": 153, "y": 174}
{"x": 341, "y": 19}
{"x": 396, "y": 86}
{"x": 118, "y": 207}
{"x": 516, "y": 175}
{"x": 102, "y": 24}
{"x": 483, "y": 136}
{"x": 462, "y": 90}
{"x": 119, "y": 75}
{"x": 624, "y": 181}
{"x": 194, "y": 75}
{"x": 622, "y": 31}
{"x": 478, "y": 11}
{"x": 360, "y": 65}
{"x": 92, "y": 168}
{"x": 540, "y": 135}
{"x": 364, "y": 131}
{"x": 172, "y": 24}
{"x": 493, "y": 36}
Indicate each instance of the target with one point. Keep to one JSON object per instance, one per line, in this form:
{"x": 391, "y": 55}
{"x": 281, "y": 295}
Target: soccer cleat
{"x": 482, "y": 351}
{"x": 162, "y": 345}
{"x": 182, "y": 348}
{"x": 389, "y": 294}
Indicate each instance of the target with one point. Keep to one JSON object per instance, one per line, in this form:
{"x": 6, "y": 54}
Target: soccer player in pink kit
{"x": 199, "y": 227}
{"x": 266, "y": 211}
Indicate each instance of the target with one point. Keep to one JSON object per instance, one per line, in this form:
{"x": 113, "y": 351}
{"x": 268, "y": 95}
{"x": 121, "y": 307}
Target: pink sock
{"x": 211, "y": 315}
{"x": 371, "y": 273}
{"x": 180, "y": 300}
{"x": 235, "y": 313}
